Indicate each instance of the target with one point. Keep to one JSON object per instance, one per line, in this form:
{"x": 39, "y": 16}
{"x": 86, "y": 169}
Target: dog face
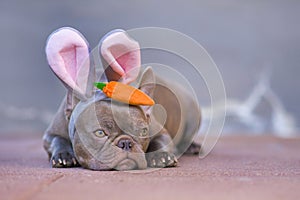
{"x": 102, "y": 142}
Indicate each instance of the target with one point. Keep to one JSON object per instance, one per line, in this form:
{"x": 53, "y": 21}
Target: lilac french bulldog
{"x": 95, "y": 132}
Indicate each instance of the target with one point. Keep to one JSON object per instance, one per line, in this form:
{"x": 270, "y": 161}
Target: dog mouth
{"x": 126, "y": 164}
{"x": 130, "y": 161}
{"x": 128, "y": 154}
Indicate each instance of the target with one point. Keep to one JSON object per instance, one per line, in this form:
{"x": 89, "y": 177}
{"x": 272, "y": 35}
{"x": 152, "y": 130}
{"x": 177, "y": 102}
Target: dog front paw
{"x": 161, "y": 159}
{"x": 63, "y": 159}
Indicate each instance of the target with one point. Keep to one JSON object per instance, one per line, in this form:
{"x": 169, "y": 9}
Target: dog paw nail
{"x": 74, "y": 161}
{"x": 175, "y": 159}
{"x": 169, "y": 158}
{"x": 163, "y": 160}
{"x": 64, "y": 162}
{"x": 153, "y": 162}
{"x": 53, "y": 162}
{"x": 60, "y": 161}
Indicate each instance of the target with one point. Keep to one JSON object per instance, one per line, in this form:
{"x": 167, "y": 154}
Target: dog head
{"x": 104, "y": 134}
{"x": 112, "y": 135}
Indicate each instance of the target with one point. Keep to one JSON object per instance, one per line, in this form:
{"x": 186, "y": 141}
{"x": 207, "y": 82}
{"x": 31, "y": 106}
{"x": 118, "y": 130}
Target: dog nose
{"x": 125, "y": 144}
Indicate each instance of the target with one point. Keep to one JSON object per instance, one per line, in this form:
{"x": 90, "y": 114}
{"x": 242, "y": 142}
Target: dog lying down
{"x": 95, "y": 132}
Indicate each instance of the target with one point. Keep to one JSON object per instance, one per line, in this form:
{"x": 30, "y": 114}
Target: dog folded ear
{"x": 120, "y": 56}
{"x": 68, "y": 56}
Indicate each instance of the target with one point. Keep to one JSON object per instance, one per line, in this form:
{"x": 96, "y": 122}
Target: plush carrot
{"x": 125, "y": 93}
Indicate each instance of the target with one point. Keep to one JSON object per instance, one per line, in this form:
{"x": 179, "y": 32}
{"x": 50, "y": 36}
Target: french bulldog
{"x": 98, "y": 133}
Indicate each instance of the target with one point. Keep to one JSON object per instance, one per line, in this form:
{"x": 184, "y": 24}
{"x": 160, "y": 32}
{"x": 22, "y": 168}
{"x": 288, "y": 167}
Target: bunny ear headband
{"x": 67, "y": 53}
{"x": 68, "y": 56}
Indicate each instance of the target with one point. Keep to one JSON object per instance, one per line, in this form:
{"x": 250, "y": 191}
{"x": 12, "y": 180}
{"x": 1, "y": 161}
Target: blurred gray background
{"x": 255, "y": 45}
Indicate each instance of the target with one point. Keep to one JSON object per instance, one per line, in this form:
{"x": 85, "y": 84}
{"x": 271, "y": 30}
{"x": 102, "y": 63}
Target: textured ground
{"x": 238, "y": 168}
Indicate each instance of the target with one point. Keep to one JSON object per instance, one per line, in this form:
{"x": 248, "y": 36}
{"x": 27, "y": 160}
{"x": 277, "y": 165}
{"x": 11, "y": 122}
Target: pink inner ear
{"x": 130, "y": 62}
{"x": 67, "y": 54}
{"x": 69, "y": 58}
{"x": 123, "y": 55}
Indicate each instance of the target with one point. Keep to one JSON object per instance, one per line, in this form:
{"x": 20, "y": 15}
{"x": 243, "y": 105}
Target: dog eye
{"x": 99, "y": 133}
{"x": 144, "y": 132}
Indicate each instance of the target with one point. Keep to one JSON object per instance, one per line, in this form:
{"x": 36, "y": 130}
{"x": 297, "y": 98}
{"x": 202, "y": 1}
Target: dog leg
{"x": 193, "y": 149}
{"x": 60, "y": 151}
{"x": 57, "y": 142}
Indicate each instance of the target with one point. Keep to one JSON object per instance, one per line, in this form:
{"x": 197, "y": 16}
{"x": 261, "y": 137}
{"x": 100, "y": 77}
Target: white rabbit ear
{"x": 120, "y": 56}
{"x": 68, "y": 56}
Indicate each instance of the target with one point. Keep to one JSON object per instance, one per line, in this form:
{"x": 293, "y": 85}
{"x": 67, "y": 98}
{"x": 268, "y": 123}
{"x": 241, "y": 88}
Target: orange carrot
{"x": 125, "y": 93}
